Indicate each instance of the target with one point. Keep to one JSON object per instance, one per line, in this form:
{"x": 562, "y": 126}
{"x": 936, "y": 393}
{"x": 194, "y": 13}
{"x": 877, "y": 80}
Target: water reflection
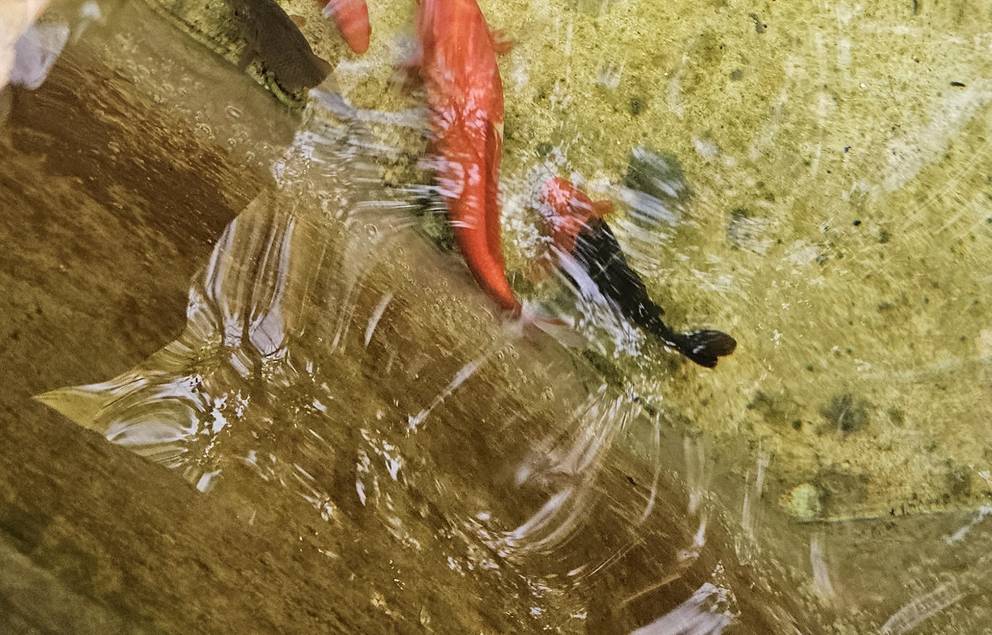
{"x": 705, "y": 613}
{"x": 324, "y": 356}
{"x": 309, "y": 358}
{"x": 569, "y": 463}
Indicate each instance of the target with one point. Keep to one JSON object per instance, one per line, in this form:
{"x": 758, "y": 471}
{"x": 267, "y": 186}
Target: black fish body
{"x": 275, "y": 42}
{"x": 599, "y": 253}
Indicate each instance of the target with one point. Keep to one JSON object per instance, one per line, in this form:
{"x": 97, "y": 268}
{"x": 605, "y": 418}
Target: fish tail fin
{"x": 352, "y": 20}
{"x": 705, "y": 347}
{"x": 532, "y": 321}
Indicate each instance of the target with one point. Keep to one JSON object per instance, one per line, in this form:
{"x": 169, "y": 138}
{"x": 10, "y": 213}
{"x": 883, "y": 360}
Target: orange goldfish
{"x": 457, "y": 63}
{"x": 352, "y": 20}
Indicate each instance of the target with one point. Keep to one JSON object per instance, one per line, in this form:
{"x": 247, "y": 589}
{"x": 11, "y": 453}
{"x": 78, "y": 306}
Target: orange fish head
{"x": 566, "y": 210}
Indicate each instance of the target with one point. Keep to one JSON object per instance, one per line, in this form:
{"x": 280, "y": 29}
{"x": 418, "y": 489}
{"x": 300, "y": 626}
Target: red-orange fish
{"x": 352, "y": 20}
{"x": 567, "y": 210}
{"x": 457, "y": 62}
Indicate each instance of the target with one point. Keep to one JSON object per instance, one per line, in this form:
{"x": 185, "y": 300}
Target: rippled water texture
{"x": 308, "y": 418}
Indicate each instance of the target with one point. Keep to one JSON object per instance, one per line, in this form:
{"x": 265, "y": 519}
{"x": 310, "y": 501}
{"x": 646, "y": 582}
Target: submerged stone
{"x": 802, "y": 502}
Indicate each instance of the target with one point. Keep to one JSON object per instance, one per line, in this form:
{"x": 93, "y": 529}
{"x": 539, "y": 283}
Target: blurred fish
{"x": 275, "y": 43}
{"x": 579, "y": 231}
{"x": 457, "y": 62}
{"x": 352, "y": 20}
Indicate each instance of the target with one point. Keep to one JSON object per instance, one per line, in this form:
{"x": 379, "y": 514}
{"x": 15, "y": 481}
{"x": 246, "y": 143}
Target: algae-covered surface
{"x": 839, "y": 224}
{"x": 363, "y": 444}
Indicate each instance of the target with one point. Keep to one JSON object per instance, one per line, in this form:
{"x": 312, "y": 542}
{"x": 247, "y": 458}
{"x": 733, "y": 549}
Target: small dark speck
{"x": 736, "y": 75}
{"x": 636, "y": 106}
{"x": 958, "y": 84}
{"x": 759, "y": 26}
{"x": 543, "y": 148}
{"x": 857, "y": 222}
{"x": 630, "y": 479}
{"x": 847, "y": 149}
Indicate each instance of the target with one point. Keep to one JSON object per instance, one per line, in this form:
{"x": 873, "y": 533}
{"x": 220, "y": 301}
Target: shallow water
{"x": 357, "y": 444}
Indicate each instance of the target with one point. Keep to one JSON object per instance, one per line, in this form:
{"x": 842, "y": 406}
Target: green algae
{"x": 802, "y": 502}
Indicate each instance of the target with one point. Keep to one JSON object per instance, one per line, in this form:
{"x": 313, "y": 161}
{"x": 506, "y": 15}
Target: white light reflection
{"x": 684, "y": 559}
{"x": 377, "y": 313}
{"x": 697, "y": 472}
{"x": 922, "y": 608}
{"x": 751, "y": 510}
{"x": 656, "y": 456}
{"x": 36, "y": 53}
{"x": 983, "y": 512}
{"x": 698, "y": 542}
{"x": 415, "y": 421}
{"x": 233, "y": 377}
{"x": 576, "y": 462}
{"x": 705, "y": 613}
{"x": 821, "y": 570}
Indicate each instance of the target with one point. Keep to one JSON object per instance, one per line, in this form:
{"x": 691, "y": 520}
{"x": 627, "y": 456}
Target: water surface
{"x": 351, "y": 439}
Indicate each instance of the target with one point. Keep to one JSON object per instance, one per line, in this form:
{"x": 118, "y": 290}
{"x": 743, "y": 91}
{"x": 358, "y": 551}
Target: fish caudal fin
{"x": 352, "y": 19}
{"x": 532, "y": 321}
{"x": 705, "y": 347}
